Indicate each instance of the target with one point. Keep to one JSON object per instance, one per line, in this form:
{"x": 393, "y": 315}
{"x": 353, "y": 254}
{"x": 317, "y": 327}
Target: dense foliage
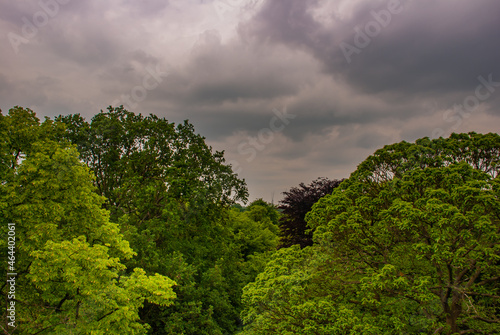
{"x": 170, "y": 195}
{"x": 408, "y": 244}
{"x": 69, "y": 257}
{"x": 130, "y": 224}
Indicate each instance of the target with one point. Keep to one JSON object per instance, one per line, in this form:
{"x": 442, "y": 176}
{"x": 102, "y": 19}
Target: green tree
{"x": 150, "y": 157}
{"x": 296, "y": 294}
{"x": 408, "y": 244}
{"x": 68, "y": 255}
{"x": 255, "y": 235}
{"x": 171, "y": 194}
{"x": 426, "y": 243}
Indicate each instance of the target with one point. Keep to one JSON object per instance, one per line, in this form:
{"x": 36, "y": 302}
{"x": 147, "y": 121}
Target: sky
{"x": 291, "y": 90}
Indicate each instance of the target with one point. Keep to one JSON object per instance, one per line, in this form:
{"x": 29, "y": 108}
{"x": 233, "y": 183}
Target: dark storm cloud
{"x": 220, "y": 73}
{"x": 227, "y": 73}
{"x": 428, "y": 46}
{"x": 233, "y": 87}
{"x": 147, "y": 7}
{"x": 227, "y": 88}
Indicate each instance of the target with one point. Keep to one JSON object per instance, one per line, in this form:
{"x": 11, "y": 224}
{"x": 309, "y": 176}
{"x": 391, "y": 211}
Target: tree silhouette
{"x": 297, "y": 202}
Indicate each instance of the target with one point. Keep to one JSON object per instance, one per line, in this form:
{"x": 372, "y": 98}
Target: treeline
{"x": 130, "y": 224}
{"x": 124, "y": 225}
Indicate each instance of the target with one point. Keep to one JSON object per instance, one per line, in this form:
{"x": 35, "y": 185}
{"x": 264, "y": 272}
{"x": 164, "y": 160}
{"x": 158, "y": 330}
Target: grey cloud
{"x": 430, "y": 46}
{"x": 287, "y": 56}
{"x": 147, "y": 7}
{"x": 24, "y": 93}
{"x": 218, "y": 73}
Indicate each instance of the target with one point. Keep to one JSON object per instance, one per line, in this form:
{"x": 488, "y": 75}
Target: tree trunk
{"x": 453, "y": 312}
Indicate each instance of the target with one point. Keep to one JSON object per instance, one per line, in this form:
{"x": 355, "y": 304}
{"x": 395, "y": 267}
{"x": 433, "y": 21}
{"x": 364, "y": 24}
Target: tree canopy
{"x": 408, "y": 244}
{"x": 130, "y": 224}
{"x": 171, "y": 195}
{"x": 69, "y": 256}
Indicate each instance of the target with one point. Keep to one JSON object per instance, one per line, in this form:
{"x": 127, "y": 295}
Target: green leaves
{"x": 424, "y": 231}
{"x": 408, "y": 244}
{"x": 131, "y": 154}
{"x": 291, "y": 296}
{"x": 156, "y": 289}
{"x": 71, "y": 275}
{"x": 83, "y": 283}
{"x": 170, "y": 194}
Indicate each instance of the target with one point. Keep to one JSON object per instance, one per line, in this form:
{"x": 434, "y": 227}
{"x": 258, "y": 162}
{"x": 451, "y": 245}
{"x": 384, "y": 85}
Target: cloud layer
{"x": 352, "y": 76}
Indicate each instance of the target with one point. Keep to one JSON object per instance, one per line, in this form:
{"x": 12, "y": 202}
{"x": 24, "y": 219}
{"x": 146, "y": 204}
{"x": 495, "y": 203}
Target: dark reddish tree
{"x": 297, "y": 202}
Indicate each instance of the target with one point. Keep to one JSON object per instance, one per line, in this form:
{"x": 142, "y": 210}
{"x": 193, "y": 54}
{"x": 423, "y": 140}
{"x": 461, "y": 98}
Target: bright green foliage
{"x": 426, "y": 244}
{"x": 255, "y": 230}
{"x": 69, "y": 257}
{"x": 292, "y": 297}
{"x": 482, "y": 152}
{"x": 409, "y": 244}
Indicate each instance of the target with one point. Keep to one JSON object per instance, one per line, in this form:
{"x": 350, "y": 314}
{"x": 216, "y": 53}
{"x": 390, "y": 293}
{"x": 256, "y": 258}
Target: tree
{"x": 293, "y": 296}
{"x": 295, "y": 205}
{"x": 427, "y": 244}
{"x": 131, "y": 153}
{"x": 171, "y": 194}
{"x": 68, "y": 255}
{"x": 408, "y": 244}
{"x": 255, "y": 231}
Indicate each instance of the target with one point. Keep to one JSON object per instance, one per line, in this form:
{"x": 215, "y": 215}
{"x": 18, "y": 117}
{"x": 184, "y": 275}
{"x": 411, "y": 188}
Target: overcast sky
{"x": 292, "y": 90}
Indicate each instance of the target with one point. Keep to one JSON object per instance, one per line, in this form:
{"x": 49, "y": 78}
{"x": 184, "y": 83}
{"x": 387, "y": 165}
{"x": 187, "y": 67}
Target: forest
{"x": 131, "y": 224}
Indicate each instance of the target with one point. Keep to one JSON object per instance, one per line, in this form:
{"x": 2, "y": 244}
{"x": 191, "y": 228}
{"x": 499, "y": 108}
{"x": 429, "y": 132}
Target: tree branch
{"x": 105, "y": 315}
{"x": 477, "y": 317}
{"x": 482, "y": 282}
{"x": 59, "y": 305}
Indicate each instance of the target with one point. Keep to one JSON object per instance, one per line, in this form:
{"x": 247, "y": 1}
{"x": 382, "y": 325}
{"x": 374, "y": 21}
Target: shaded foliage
{"x": 126, "y": 151}
{"x": 171, "y": 195}
{"x": 294, "y": 207}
